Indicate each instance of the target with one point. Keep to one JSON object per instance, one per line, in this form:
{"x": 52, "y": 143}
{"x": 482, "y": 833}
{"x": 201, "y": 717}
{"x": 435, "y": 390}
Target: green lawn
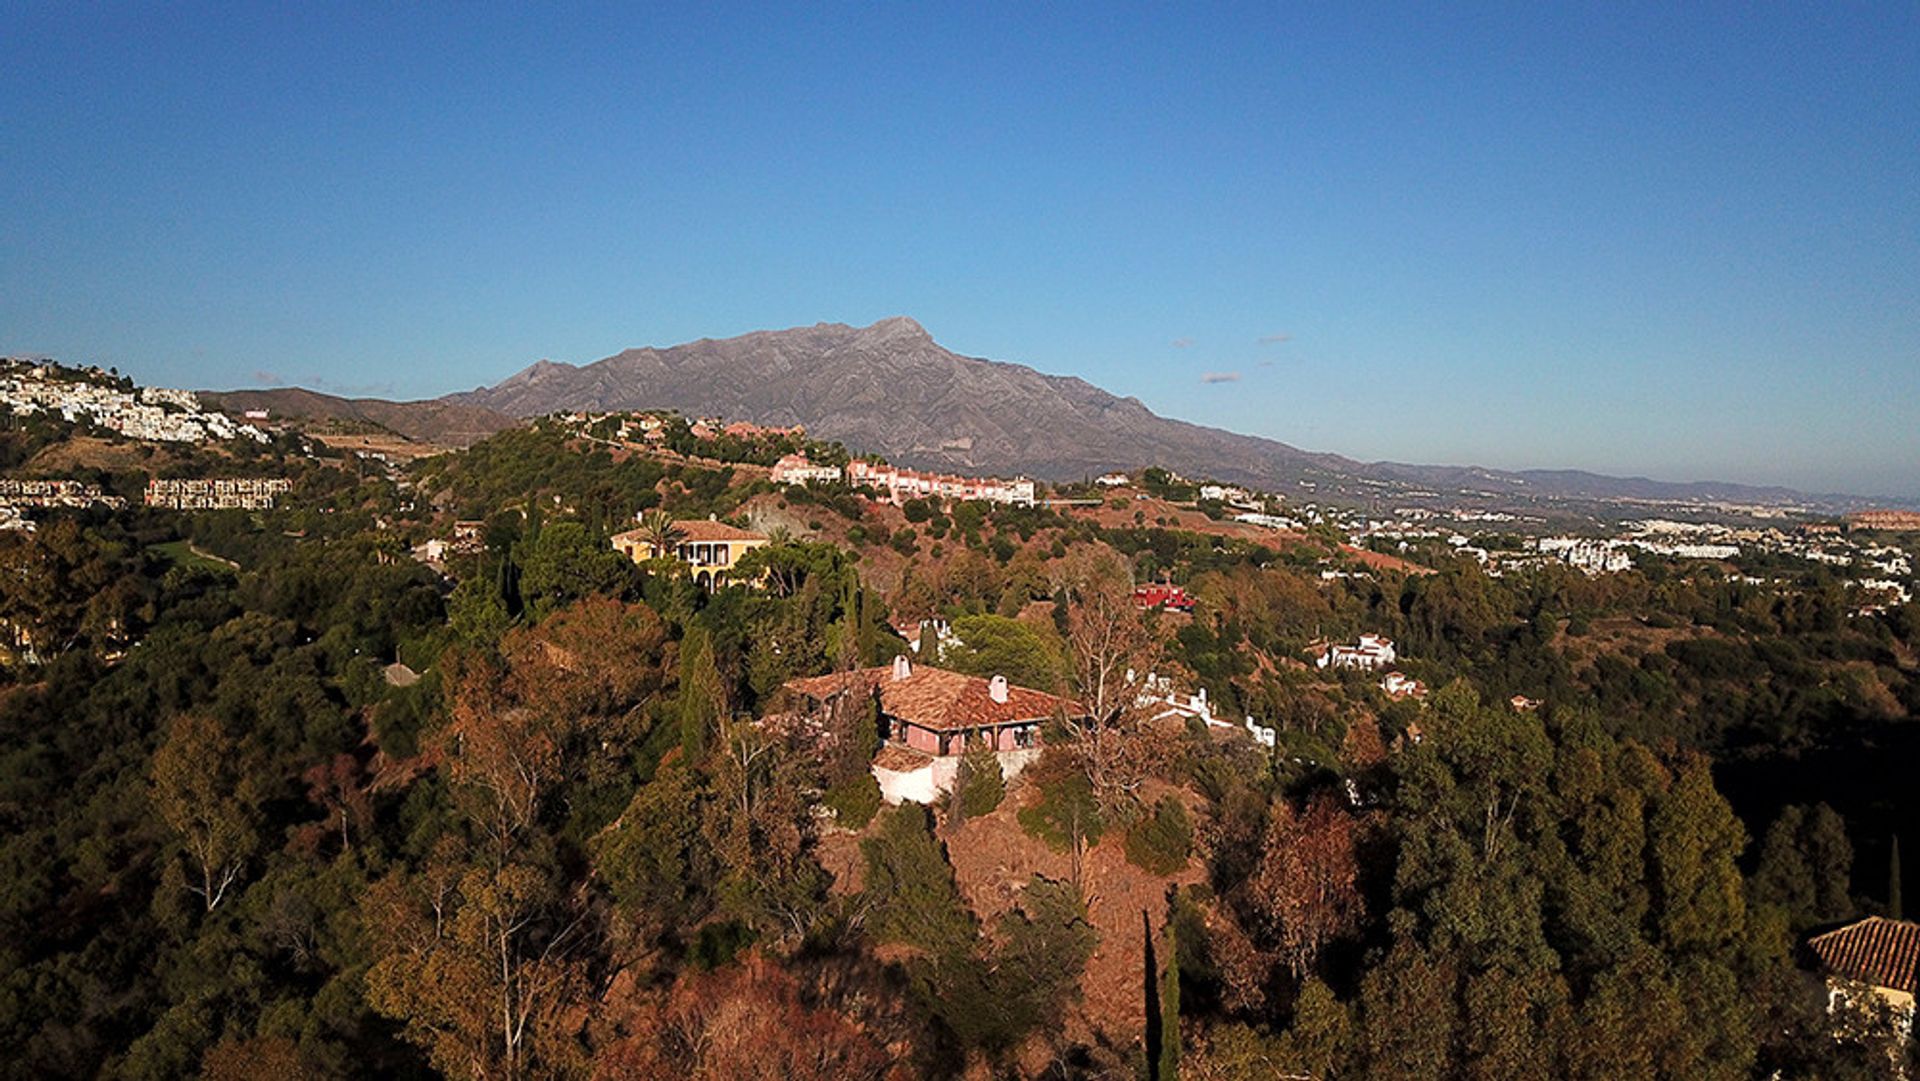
{"x": 182, "y": 553}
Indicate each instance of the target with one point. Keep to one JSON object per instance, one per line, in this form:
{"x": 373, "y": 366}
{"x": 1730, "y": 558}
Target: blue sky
{"x": 1674, "y": 240}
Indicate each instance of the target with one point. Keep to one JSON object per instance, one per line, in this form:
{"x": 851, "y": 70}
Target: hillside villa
{"x": 930, "y": 716}
{"x": 710, "y": 549}
{"x": 1373, "y": 651}
{"x": 1399, "y": 685}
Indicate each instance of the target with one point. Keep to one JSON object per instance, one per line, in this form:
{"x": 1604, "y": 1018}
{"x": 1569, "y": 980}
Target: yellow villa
{"x": 709, "y": 548}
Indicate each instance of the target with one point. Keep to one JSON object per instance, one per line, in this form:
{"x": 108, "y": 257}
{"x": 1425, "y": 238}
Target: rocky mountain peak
{"x": 895, "y": 328}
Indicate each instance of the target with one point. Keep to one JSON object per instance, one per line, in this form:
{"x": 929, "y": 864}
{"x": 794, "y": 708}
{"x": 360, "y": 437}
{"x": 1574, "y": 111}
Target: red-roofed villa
{"x": 932, "y": 715}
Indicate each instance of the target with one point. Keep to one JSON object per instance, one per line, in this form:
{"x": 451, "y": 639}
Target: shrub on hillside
{"x": 1162, "y": 841}
{"x": 978, "y": 786}
{"x": 1066, "y": 805}
{"x": 854, "y": 801}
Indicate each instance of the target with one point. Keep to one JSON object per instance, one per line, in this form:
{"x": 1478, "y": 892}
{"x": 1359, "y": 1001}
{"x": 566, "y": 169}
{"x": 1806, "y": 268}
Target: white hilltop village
{"x": 89, "y": 397}
{"x": 163, "y": 414}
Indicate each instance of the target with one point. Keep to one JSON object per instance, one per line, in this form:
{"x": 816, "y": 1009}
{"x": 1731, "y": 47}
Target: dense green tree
{"x": 566, "y": 562}
{"x": 911, "y": 885}
{"x": 652, "y": 858}
{"x": 1694, "y": 840}
{"x": 204, "y": 789}
{"x": 989, "y": 645}
{"x": 1161, "y": 841}
{"x": 476, "y": 612}
{"x": 978, "y": 786}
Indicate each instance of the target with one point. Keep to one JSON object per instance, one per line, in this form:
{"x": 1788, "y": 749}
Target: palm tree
{"x": 663, "y": 534}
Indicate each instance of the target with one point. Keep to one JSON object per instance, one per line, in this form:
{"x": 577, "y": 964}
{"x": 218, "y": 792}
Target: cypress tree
{"x": 702, "y": 694}
{"x": 1893, "y": 880}
{"x": 863, "y": 634}
{"x": 1150, "y": 973}
{"x": 1170, "y": 1010}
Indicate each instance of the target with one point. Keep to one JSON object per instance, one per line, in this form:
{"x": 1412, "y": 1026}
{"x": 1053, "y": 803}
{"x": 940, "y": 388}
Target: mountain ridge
{"x": 890, "y": 388}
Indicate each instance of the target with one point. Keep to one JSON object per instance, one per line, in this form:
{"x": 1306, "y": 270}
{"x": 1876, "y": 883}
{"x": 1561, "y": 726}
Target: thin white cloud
{"x": 1220, "y": 377}
{"x": 1183, "y": 343}
{"x": 352, "y": 390}
{"x": 1275, "y": 339}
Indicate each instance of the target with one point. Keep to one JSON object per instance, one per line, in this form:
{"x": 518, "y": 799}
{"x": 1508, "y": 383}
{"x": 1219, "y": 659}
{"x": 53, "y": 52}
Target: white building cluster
{"x": 16, "y": 494}
{"x": 1371, "y": 652}
{"x": 155, "y": 413}
{"x": 235, "y": 493}
{"x": 1399, "y": 685}
{"x": 901, "y": 485}
{"x": 1231, "y": 496}
{"x": 799, "y": 469}
{"x": 1270, "y": 521}
{"x": 1163, "y": 701}
{"x": 1586, "y": 554}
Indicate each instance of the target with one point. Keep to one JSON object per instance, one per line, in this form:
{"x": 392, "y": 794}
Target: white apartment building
{"x": 798, "y": 469}
{"x": 904, "y": 484}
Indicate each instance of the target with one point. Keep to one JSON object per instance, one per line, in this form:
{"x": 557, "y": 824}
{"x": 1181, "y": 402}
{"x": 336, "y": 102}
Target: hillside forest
{"x": 281, "y": 797}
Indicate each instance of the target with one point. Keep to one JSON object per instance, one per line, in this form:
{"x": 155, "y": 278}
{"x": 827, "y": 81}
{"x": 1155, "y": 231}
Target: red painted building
{"x": 1162, "y": 595}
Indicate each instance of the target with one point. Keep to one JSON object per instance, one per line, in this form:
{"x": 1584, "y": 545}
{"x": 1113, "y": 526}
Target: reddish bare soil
{"x": 1176, "y": 517}
{"x": 1381, "y": 561}
{"x": 993, "y": 858}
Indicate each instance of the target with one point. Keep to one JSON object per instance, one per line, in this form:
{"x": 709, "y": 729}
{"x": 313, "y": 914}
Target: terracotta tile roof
{"x": 938, "y": 699}
{"x": 1876, "y": 951}
{"x": 898, "y": 759}
{"x": 701, "y": 530}
{"x": 698, "y": 530}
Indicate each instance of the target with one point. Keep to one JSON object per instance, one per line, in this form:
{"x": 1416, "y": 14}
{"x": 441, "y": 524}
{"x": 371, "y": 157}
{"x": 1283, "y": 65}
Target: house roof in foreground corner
{"x": 1876, "y": 951}
{"x": 939, "y": 699}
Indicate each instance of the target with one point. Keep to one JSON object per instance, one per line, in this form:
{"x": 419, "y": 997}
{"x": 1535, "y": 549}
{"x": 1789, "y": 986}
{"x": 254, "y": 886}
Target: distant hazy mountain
{"x": 439, "y": 422}
{"x": 890, "y": 388}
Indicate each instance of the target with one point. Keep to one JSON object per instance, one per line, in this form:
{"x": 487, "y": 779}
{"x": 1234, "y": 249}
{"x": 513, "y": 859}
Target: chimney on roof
{"x": 902, "y": 668}
{"x": 997, "y": 689}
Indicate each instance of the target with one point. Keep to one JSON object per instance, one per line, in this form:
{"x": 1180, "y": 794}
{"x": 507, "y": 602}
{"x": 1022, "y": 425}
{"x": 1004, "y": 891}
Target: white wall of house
{"x": 906, "y": 786}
